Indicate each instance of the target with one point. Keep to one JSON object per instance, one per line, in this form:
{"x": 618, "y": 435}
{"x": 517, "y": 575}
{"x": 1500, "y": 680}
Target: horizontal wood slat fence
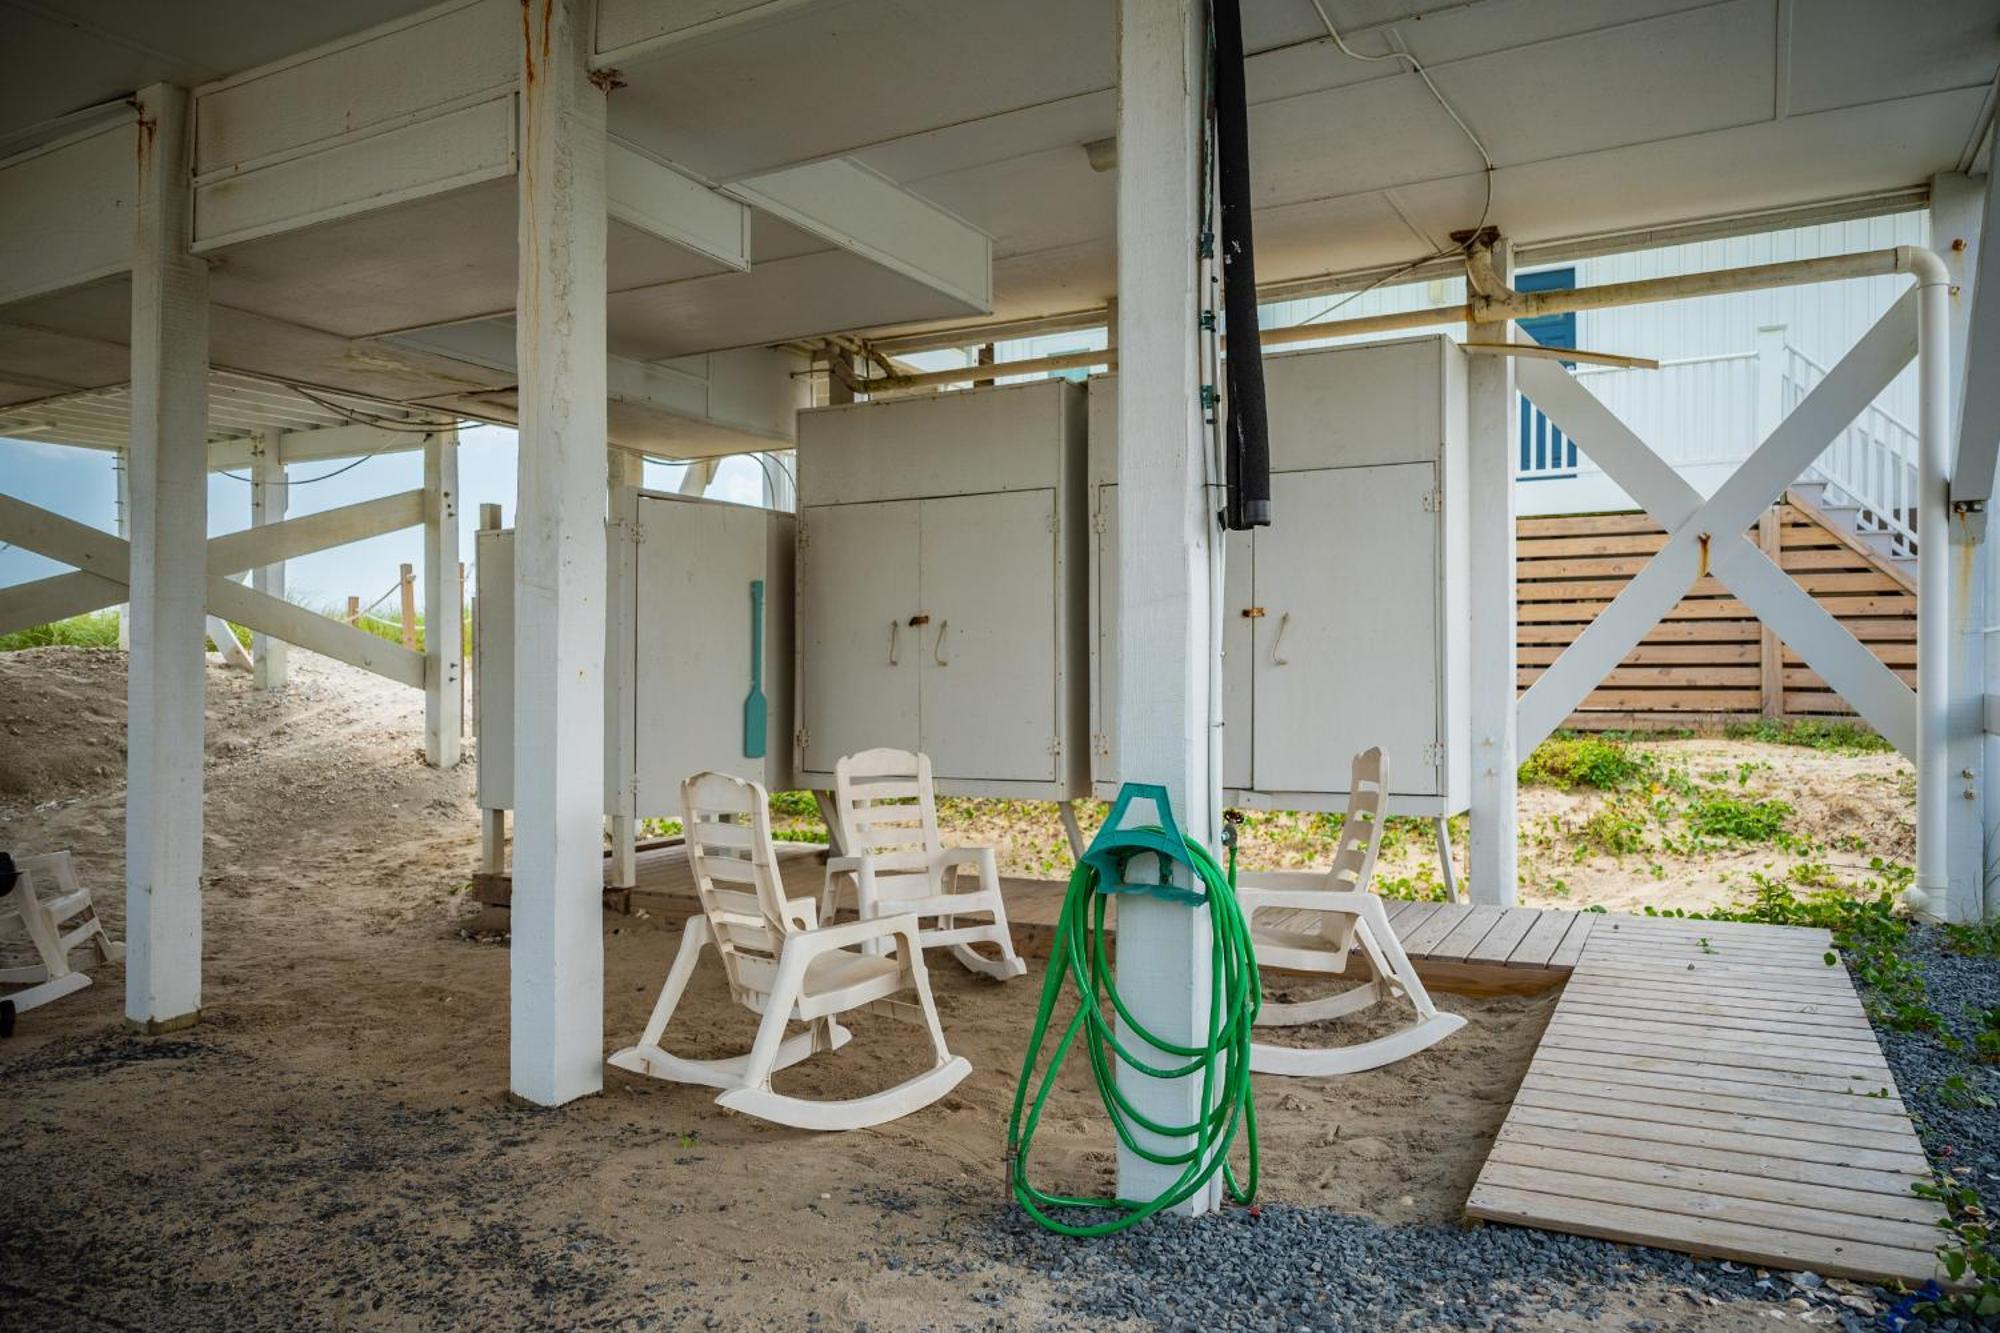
{"x": 1709, "y": 662}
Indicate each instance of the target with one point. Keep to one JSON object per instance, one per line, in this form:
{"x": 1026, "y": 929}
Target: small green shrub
{"x": 1717, "y": 816}
{"x": 1585, "y": 761}
{"x": 98, "y": 629}
{"x": 1834, "y": 736}
{"x": 794, "y": 805}
{"x": 1967, "y": 1254}
{"x": 1615, "y": 830}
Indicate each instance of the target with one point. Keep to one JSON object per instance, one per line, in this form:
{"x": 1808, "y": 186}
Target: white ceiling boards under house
{"x": 704, "y": 571}
{"x": 940, "y": 587}
{"x": 1345, "y": 623}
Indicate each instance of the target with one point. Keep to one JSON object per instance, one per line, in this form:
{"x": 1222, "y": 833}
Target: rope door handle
{"x": 937, "y": 653}
{"x": 1278, "y": 658}
{"x": 895, "y": 634}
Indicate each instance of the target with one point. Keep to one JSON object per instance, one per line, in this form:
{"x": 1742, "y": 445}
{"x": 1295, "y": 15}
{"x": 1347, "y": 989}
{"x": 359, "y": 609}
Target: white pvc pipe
{"x": 1930, "y": 896}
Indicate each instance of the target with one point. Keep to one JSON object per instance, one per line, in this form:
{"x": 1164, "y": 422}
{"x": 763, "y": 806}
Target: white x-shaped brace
{"x": 1719, "y": 524}
{"x": 102, "y": 576}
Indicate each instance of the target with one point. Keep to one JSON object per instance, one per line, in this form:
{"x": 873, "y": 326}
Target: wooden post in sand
{"x": 409, "y": 587}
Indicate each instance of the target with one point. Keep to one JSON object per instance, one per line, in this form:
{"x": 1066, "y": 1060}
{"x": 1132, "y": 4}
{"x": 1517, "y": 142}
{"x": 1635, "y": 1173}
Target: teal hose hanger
{"x": 1221, "y": 1060}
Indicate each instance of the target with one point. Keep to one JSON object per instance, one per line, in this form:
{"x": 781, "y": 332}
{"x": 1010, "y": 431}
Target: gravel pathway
{"x": 1958, "y": 1122}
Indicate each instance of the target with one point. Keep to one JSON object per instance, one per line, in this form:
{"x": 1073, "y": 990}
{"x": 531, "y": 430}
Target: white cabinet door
{"x": 692, "y": 645}
{"x": 1236, "y": 650}
{"x": 1346, "y": 652}
{"x": 857, "y": 589}
{"x": 987, "y": 655}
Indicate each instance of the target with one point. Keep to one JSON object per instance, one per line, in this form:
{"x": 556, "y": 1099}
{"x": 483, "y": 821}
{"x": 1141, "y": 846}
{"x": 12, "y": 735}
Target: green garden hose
{"x": 1222, "y": 1062}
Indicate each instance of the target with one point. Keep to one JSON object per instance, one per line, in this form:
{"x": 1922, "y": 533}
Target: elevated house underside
{"x": 647, "y": 225}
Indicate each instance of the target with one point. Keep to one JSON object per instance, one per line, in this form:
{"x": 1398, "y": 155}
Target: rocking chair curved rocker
{"x": 783, "y": 966}
{"x": 1330, "y": 916}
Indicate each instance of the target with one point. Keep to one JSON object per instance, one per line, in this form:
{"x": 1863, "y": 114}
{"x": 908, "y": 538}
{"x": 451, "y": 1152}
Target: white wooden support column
{"x": 1957, "y": 203}
{"x": 269, "y": 497}
{"x": 492, "y": 822}
{"x": 1166, "y": 517}
{"x": 121, "y": 466}
{"x": 621, "y": 666}
{"x": 444, "y": 604}
{"x": 167, "y": 674}
{"x": 1491, "y": 865}
{"x": 556, "y": 1029}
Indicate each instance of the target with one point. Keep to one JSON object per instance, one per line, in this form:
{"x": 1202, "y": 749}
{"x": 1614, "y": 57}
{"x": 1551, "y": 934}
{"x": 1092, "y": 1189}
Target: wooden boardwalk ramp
{"x": 1715, "y": 1087}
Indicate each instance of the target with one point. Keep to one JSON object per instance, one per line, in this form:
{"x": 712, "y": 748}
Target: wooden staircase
{"x": 1885, "y": 548}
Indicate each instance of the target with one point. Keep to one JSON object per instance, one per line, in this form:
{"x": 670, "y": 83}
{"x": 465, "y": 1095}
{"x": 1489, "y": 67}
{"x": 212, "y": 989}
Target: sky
{"x": 81, "y": 484}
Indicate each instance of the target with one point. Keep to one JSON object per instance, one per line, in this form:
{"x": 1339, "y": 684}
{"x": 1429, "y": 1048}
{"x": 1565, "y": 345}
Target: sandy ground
{"x": 332, "y": 1147}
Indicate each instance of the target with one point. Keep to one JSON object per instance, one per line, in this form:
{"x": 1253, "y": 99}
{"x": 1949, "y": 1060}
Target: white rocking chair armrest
{"x": 1257, "y": 898}
{"x": 982, "y": 859}
{"x": 848, "y": 933}
{"x": 1282, "y": 879}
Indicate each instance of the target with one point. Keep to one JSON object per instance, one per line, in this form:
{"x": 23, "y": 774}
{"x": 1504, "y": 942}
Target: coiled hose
{"x": 1222, "y": 1061}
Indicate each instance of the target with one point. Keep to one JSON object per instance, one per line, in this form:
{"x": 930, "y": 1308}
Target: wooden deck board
{"x": 1716, "y": 1089}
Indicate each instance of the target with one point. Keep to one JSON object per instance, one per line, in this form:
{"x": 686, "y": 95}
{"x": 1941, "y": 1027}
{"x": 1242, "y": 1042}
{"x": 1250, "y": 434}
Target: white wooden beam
{"x": 556, "y": 1027}
{"x": 167, "y": 673}
{"x": 1963, "y": 208}
{"x": 287, "y": 539}
{"x": 1959, "y": 205}
{"x": 269, "y": 498}
{"x": 862, "y": 211}
{"x": 315, "y": 633}
{"x": 400, "y": 111}
{"x": 1492, "y": 869}
{"x": 228, "y": 646}
{"x": 654, "y": 196}
{"x": 66, "y": 212}
{"x": 621, "y": 667}
{"x": 631, "y": 32}
{"x": 444, "y": 604}
{"x": 1167, "y": 543}
{"x": 57, "y": 597}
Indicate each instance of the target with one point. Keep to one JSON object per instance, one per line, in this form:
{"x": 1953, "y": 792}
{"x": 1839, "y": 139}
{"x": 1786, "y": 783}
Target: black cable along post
{"x": 1248, "y": 446}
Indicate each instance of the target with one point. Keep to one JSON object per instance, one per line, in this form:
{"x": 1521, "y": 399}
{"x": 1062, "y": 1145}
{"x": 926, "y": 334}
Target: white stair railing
{"x": 1871, "y": 465}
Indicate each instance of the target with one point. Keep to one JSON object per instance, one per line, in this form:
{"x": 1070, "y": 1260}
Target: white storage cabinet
{"x": 941, "y": 606}
{"x": 1346, "y": 622}
{"x": 689, "y": 617}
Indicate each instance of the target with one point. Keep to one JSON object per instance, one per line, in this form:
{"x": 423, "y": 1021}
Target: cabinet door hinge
{"x": 1433, "y": 502}
{"x": 1056, "y": 746}
{"x": 1434, "y": 754}
{"x": 1100, "y": 743}
{"x": 801, "y": 739}
{"x": 1097, "y": 523}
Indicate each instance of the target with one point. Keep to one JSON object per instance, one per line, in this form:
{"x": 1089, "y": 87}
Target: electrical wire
{"x": 1485, "y": 209}
{"x": 304, "y": 481}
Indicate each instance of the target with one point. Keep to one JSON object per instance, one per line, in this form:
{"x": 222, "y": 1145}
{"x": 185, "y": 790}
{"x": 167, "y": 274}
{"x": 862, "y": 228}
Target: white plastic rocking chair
{"x": 1344, "y": 914}
{"x": 887, "y": 809}
{"x": 44, "y": 899}
{"x": 785, "y": 967}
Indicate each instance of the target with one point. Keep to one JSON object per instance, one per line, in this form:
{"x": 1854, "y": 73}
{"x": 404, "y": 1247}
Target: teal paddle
{"x": 754, "y": 708}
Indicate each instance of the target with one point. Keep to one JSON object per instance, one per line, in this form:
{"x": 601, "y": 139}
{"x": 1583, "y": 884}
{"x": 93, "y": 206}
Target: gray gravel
{"x": 1313, "y": 1268}
{"x": 1956, "y": 1132}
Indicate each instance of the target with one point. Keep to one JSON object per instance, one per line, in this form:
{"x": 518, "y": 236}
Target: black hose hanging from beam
{"x": 1248, "y": 445}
